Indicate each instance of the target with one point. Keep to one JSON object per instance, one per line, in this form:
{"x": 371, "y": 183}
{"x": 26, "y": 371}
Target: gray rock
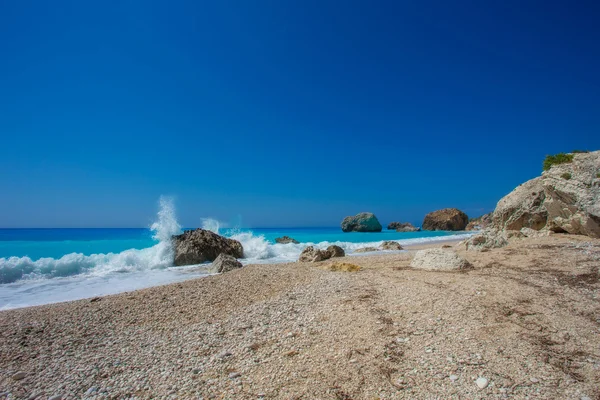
{"x": 438, "y": 259}
{"x": 234, "y": 375}
{"x": 286, "y": 240}
{"x": 403, "y": 227}
{"x": 366, "y": 249}
{"x": 312, "y": 254}
{"x": 390, "y": 245}
{"x": 448, "y": 219}
{"x": 225, "y": 263}
{"x": 362, "y": 222}
{"x": 91, "y": 390}
{"x": 486, "y": 239}
{"x": 19, "y": 375}
{"x": 335, "y": 251}
{"x": 200, "y": 245}
{"x": 56, "y": 397}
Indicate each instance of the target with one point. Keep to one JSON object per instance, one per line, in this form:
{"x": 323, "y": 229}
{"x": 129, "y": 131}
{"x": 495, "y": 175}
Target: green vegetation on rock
{"x": 560, "y": 158}
{"x": 566, "y": 176}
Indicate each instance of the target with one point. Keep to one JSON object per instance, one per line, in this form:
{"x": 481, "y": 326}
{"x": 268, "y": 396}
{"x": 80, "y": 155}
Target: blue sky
{"x": 286, "y": 113}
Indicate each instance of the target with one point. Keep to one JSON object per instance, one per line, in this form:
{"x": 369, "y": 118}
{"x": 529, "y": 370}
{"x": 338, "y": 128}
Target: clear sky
{"x": 286, "y": 113}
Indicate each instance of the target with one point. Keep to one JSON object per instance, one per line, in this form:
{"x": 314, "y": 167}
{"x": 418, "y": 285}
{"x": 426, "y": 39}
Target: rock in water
{"x": 286, "y": 240}
{"x": 565, "y": 199}
{"x": 363, "y": 222}
{"x": 225, "y": 263}
{"x": 390, "y": 245}
{"x": 312, "y": 254}
{"x": 335, "y": 251}
{"x": 403, "y": 227}
{"x": 448, "y": 219}
{"x": 195, "y": 247}
{"x": 438, "y": 259}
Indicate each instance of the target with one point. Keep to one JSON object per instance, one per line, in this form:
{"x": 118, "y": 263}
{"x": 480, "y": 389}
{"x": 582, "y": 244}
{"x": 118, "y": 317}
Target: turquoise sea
{"x": 39, "y": 266}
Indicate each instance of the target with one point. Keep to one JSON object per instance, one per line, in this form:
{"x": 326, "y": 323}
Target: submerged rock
{"x": 438, "y": 259}
{"x": 335, "y": 251}
{"x": 390, "y": 245}
{"x": 200, "y": 245}
{"x": 403, "y": 227}
{"x": 363, "y": 222}
{"x": 447, "y": 219}
{"x": 286, "y": 240}
{"x": 225, "y": 263}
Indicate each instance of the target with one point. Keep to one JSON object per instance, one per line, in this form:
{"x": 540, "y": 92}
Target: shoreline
{"x": 293, "y": 330}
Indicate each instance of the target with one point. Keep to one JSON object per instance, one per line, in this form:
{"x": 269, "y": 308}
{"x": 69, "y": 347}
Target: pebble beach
{"x": 522, "y": 323}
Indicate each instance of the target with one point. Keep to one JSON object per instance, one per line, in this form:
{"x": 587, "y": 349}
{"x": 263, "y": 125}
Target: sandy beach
{"x": 523, "y": 323}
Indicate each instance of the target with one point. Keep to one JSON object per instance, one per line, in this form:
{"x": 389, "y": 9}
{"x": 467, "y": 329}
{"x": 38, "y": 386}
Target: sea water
{"x": 40, "y": 266}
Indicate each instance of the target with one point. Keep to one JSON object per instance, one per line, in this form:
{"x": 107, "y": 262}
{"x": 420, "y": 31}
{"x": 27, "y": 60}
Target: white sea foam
{"x": 158, "y": 256}
{"x": 73, "y": 276}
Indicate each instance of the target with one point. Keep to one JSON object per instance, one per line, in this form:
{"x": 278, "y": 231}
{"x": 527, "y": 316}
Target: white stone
{"x": 482, "y": 382}
{"x": 453, "y": 378}
{"x": 438, "y": 259}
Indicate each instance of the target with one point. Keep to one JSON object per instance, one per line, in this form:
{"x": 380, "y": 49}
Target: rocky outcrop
{"x": 390, "y": 245}
{"x": 523, "y": 207}
{"x": 448, "y": 219}
{"x": 200, "y": 245}
{"x": 565, "y": 199}
{"x": 225, "y": 263}
{"x": 286, "y": 240}
{"x": 312, "y": 254}
{"x": 363, "y": 222}
{"x": 335, "y": 251}
{"x": 480, "y": 223}
{"x": 438, "y": 259}
{"x": 403, "y": 227}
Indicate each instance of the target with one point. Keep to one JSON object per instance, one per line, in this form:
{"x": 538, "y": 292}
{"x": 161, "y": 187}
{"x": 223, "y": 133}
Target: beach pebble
{"x": 534, "y": 380}
{"x": 453, "y": 378}
{"x": 585, "y": 398}
{"x": 56, "y": 397}
{"x": 224, "y": 354}
{"x": 19, "y": 375}
{"x": 482, "y": 382}
{"x": 234, "y": 375}
{"x": 91, "y": 390}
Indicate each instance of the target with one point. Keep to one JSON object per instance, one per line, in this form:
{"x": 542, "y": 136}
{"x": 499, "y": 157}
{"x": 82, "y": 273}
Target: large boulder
{"x": 480, "y": 223}
{"x": 448, "y": 219}
{"x": 403, "y": 227}
{"x": 438, "y": 259}
{"x": 312, "y": 254}
{"x": 565, "y": 199}
{"x": 200, "y": 245}
{"x": 286, "y": 240}
{"x": 523, "y": 207}
{"x": 363, "y": 222}
{"x": 225, "y": 263}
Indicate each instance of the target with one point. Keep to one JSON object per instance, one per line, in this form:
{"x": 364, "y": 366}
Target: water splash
{"x": 167, "y": 224}
{"x": 211, "y": 224}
